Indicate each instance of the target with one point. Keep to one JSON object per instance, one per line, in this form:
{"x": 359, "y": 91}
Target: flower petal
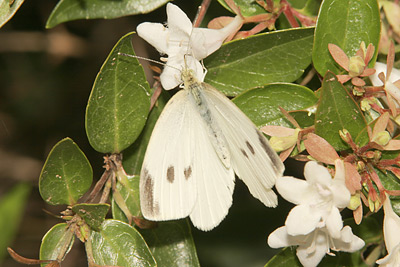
{"x": 206, "y": 41}
{"x": 280, "y": 238}
{"x": 171, "y": 75}
{"x": 391, "y": 226}
{"x": 155, "y": 34}
{"x": 379, "y": 67}
{"x": 311, "y": 256}
{"x": 334, "y": 223}
{"x": 348, "y": 242}
{"x": 292, "y": 189}
{"x": 302, "y": 220}
{"x": 178, "y": 21}
{"x": 315, "y": 173}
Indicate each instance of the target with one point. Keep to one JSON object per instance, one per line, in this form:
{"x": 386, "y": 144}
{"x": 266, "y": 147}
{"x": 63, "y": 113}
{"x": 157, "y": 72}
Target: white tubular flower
{"x": 313, "y": 246}
{"x": 180, "y": 39}
{"x": 391, "y": 232}
{"x": 318, "y": 199}
{"x": 390, "y": 87}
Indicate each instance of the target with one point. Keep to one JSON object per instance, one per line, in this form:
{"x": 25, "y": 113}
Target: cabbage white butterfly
{"x": 199, "y": 142}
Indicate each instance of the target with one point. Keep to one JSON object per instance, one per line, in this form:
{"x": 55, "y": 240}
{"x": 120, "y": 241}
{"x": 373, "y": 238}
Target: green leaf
{"x": 337, "y": 111}
{"x": 247, "y": 7}
{"x": 8, "y": 8}
{"x": 93, "y": 214}
{"x": 67, "y": 10}
{"x": 66, "y": 174}
{"x": 172, "y": 244}
{"x": 345, "y": 23}
{"x": 279, "y": 56}
{"x": 134, "y": 155}
{"x": 130, "y": 194}
{"x": 262, "y": 104}
{"x": 56, "y": 243}
{"x": 120, "y": 244}
{"x": 12, "y": 207}
{"x": 119, "y": 102}
{"x": 285, "y": 258}
{"x": 390, "y": 182}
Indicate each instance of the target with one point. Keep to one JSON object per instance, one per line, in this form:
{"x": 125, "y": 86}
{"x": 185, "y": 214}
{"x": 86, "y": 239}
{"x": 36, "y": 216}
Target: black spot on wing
{"x": 149, "y": 205}
{"x": 244, "y": 153}
{"x": 187, "y": 172}
{"x": 276, "y": 161}
{"x": 251, "y": 148}
{"x": 171, "y": 174}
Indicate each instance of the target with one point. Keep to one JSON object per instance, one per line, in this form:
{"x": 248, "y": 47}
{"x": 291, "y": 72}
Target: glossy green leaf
{"x": 119, "y": 102}
{"x": 247, "y": 7}
{"x": 118, "y": 243}
{"x": 345, "y": 23}
{"x": 172, "y": 244}
{"x": 12, "y": 207}
{"x": 134, "y": 155}
{"x": 66, "y": 175}
{"x": 67, "y": 10}
{"x": 279, "y": 56}
{"x": 8, "y": 8}
{"x": 337, "y": 111}
{"x": 56, "y": 243}
{"x": 285, "y": 258}
{"x": 130, "y": 194}
{"x": 262, "y": 104}
{"x": 93, "y": 214}
{"x": 390, "y": 182}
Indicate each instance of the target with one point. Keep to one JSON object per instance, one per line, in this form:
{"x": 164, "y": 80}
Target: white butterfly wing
{"x": 180, "y": 147}
{"x": 167, "y": 187}
{"x": 253, "y": 159}
{"x": 214, "y": 183}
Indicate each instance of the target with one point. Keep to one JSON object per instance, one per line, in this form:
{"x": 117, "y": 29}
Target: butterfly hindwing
{"x": 253, "y": 160}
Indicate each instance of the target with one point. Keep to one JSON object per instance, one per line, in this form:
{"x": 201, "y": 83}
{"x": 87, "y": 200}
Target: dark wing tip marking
{"x": 171, "y": 174}
{"x": 276, "y": 161}
{"x": 244, "y": 153}
{"x": 251, "y": 148}
{"x": 187, "y": 172}
{"x": 149, "y": 203}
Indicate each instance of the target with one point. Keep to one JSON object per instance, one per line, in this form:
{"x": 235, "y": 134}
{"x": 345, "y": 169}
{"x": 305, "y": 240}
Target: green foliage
{"x": 8, "y": 8}
{"x": 119, "y": 102}
{"x": 12, "y": 206}
{"x": 93, "y": 214}
{"x": 345, "y": 24}
{"x": 120, "y": 244}
{"x": 66, "y": 175}
{"x": 262, "y": 104}
{"x": 337, "y": 111}
{"x": 67, "y": 10}
{"x": 280, "y": 56}
{"x": 56, "y": 243}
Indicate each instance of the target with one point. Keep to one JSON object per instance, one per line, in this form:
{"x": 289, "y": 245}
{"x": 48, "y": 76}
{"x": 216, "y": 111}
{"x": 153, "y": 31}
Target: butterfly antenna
{"x": 148, "y": 59}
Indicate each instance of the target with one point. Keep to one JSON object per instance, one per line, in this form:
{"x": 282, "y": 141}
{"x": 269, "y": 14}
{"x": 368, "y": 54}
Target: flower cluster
{"x": 315, "y": 224}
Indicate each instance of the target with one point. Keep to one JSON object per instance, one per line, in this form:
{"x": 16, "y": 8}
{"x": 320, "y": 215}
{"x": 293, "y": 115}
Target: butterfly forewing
{"x": 253, "y": 160}
{"x": 167, "y": 184}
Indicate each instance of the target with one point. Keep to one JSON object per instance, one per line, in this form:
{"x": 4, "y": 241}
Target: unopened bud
{"x": 355, "y": 201}
{"x": 345, "y": 135}
{"x": 356, "y": 66}
{"x": 284, "y": 142}
{"x": 382, "y": 138}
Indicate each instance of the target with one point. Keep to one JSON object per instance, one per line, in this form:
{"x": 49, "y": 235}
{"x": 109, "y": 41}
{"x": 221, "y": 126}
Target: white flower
{"x": 313, "y": 246}
{"x": 318, "y": 199}
{"x": 391, "y": 232}
{"x": 180, "y": 39}
{"x": 390, "y": 87}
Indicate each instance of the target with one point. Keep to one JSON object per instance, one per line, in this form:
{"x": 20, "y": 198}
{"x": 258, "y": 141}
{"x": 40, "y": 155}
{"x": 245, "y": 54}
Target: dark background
{"x": 45, "y": 80}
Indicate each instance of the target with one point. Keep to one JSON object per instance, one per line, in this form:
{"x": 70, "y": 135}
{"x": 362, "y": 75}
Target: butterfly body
{"x": 198, "y": 144}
